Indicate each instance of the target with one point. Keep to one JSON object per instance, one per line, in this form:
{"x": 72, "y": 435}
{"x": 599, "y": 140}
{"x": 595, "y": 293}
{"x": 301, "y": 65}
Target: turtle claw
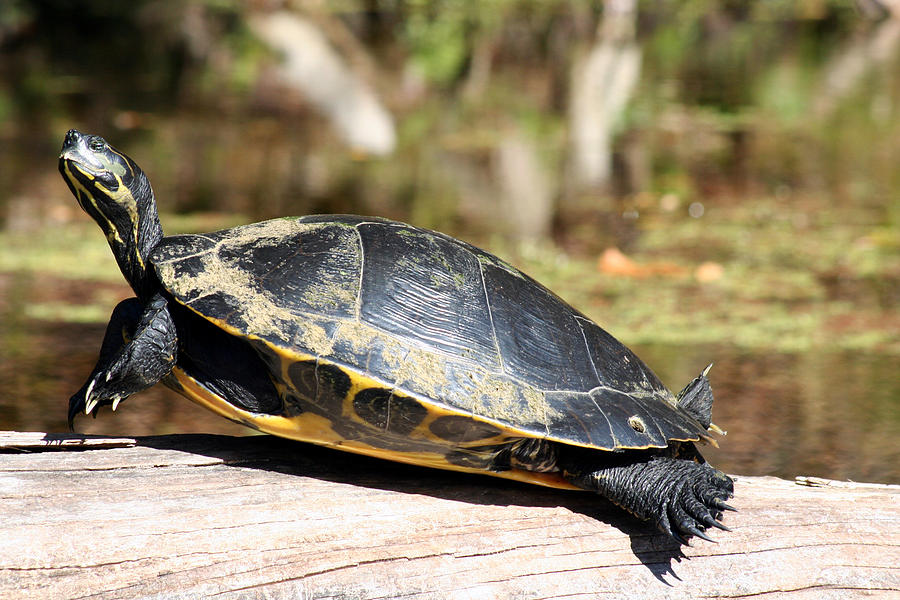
{"x": 721, "y": 505}
{"x": 679, "y": 538}
{"x": 73, "y": 412}
{"x": 698, "y": 506}
{"x": 89, "y": 405}
{"x": 139, "y": 349}
{"x": 673, "y": 533}
{"x": 688, "y": 528}
{"x": 711, "y": 521}
{"x": 683, "y": 498}
{"x": 87, "y": 400}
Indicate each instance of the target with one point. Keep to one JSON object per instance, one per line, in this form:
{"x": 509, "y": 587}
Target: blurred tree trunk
{"x": 313, "y": 67}
{"x": 602, "y": 82}
{"x": 854, "y": 60}
{"x": 526, "y": 190}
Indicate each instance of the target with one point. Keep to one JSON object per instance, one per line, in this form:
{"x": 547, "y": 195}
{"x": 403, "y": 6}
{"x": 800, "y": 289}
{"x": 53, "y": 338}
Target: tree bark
{"x": 198, "y": 516}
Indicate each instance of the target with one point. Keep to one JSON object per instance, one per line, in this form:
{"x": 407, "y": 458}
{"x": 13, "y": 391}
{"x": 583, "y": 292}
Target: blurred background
{"x": 709, "y": 180}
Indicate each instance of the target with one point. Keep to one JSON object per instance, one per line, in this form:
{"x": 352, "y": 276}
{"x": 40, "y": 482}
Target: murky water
{"x": 823, "y": 414}
{"x": 834, "y": 415}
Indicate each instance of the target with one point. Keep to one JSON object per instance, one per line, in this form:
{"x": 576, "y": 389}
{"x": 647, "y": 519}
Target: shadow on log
{"x": 197, "y": 516}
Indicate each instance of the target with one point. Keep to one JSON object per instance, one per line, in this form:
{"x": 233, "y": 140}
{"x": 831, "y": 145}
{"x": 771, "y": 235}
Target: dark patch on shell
{"x": 460, "y": 429}
{"x": 333, "y": 386}
{"x": 303, "y": 376}
{"x": 382, "y": 409}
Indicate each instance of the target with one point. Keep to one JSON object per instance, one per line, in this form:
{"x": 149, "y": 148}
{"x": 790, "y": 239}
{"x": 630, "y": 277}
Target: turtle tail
{"x": 696, "y": 399}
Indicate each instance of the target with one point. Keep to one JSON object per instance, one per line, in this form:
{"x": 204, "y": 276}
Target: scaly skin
{"x": 139, "y": 349}
{"x": 682, "y": 497}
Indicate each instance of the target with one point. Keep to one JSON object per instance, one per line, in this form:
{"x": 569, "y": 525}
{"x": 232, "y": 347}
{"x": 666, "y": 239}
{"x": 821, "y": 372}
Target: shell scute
{"x": 425, "y": 289}
{"x": 541, "y": 341}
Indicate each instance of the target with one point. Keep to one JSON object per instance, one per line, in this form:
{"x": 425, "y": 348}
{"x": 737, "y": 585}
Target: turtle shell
{"x": 409, "y": 341}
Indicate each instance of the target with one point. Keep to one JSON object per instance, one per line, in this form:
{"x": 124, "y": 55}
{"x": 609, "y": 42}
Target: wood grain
{"x": 195, "y": 516}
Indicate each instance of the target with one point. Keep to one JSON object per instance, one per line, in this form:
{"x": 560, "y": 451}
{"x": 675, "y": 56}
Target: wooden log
{"x": 197, "y": 516}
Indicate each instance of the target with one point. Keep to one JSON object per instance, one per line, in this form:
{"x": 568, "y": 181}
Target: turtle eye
{"x": 96, "y": 144}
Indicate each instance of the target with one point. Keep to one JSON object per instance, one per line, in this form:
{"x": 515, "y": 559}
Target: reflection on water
{"x": 824, "y": 414}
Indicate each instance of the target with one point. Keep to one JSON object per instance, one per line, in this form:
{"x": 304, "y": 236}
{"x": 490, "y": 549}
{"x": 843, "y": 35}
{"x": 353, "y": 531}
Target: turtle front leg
{"x": 682, "y": 497}
{"x": 139, "y": 349}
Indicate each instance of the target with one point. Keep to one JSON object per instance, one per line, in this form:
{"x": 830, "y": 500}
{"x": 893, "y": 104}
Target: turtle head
{"x": 114, "y": 191}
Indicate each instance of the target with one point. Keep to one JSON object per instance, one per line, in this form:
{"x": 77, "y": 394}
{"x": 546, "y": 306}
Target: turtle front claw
{"x": 85, "y": 400}
{"x": 104, "y": 388}
{"x": 79, "y": 402}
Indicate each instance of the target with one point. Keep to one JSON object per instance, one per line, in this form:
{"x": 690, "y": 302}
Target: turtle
{"x": 384, "y": 339}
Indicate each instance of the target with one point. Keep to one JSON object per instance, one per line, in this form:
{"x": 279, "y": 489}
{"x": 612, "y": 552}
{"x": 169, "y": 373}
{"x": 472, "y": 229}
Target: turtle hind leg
{"x": 683, "y": 498}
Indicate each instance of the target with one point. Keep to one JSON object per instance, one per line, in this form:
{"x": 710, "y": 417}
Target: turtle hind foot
{"x": 681, "y": 497}
{"x": 694, "y": 501}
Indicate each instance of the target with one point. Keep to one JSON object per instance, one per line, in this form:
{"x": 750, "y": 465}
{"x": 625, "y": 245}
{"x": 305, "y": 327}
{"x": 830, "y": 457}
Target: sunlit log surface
{"x": 258, "y": 517}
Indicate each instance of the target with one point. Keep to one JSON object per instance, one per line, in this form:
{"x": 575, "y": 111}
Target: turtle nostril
{"x": 72, "y": 137}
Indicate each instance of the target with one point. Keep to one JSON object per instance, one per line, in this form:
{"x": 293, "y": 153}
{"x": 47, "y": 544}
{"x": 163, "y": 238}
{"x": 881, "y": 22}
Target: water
{"x": 833, "y": 415}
